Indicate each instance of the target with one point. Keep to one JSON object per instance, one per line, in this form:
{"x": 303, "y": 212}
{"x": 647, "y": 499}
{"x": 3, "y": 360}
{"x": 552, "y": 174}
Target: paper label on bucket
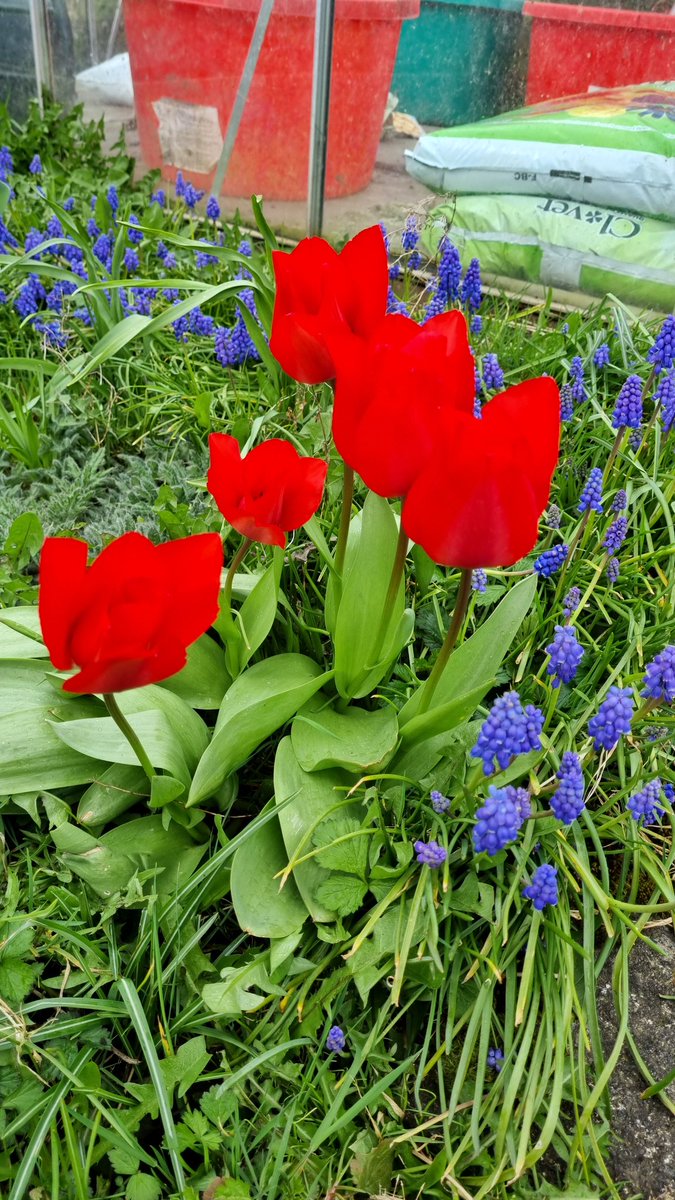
{"x": 189, "y": 135}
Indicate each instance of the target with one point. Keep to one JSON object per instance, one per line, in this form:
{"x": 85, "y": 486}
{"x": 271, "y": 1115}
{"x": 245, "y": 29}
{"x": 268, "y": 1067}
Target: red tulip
{"x": 127, "y": 619}
{"x": 391, "y": 393}
{"x": 270, "y": 491}
{"x": 319, "y": 294}
{"x": 479, "y": 499}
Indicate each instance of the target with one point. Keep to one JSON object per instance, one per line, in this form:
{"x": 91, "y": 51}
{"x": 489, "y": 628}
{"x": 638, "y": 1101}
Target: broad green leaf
{"x": 24, "y": 539}
{"x": 373, "y": 1168}
{"x": 164, "y": 790}
{"x": 102, "y": 738}
{"x": 185, "y": 1067}
{"x": 259, "y": 702}
{"x": 187, "y": 726}
{"x": 236, "y": 993}
{"x": 443, "y": 717}
{"x": 343, "y": 894}
{"x": 108, "y": 863}
{"x": 5, "y": 196}
{"x": 257, "y": 613}
{"x": 476, "y": 662}
{"x": 143, "y": 1187}
{"x": 473, "y": 897}
{"x": 263, "y": 909}
{"x": 339, "y": 851}
{"x": 357, "y": 740}
{"x": 305, "y": 800}
{"x": 117, "y": 789}
{"x": 204, "y": 679}
{"x": 371, "y": 550}
{"x": 25, "y": 683}
{"x": 32, "y": 755}
{"x": 20, "y": 635}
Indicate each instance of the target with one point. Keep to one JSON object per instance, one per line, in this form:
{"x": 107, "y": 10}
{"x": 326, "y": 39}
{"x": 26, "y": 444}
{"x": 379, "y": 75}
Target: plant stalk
{"x": 461, "y": 605}
{"x": 345, "y": 517}
{"x": 397, "y": 570}
{"x": 132, "y": 737}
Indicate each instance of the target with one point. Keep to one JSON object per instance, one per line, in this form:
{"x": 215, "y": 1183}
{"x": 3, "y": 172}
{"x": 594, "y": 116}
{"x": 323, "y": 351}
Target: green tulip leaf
{"x": 263, "y": 908}
{"x": 371, "y": 550}
{"x": 305, "y": 800}
{"x": 204, "y": 679}
{"x": 108, "y": 863}
{"x": 117, "y": 789}
{"x": 474, "y": 665}
{"x": 258, "y": 703}
{"x": 257, "y": 613}
{"x": 356, "y": 740}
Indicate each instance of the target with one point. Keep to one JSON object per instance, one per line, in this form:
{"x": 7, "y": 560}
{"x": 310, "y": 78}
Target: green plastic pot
{"x": 462, "y": 60}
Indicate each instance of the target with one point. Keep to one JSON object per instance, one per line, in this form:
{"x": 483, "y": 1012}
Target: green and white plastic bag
{"x": 563, "y": 244}
{"x": 613, "y": 147}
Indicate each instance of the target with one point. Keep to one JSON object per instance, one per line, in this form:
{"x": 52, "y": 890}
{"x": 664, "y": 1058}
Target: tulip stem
{"x": 132, "y": 737}
{"x": 233, "y": 568}
{"x": 392, "y": 591}
{"x": 461, "y": 605}
{"x": 345, "y": 517}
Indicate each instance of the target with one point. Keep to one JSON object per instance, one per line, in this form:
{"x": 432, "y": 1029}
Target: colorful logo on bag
{"x": 653, "y": 104}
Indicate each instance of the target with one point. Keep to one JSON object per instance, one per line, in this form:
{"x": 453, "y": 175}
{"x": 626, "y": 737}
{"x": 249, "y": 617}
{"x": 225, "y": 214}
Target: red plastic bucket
{"x": 573, "y": 48}
{"x": 187, "y": 57}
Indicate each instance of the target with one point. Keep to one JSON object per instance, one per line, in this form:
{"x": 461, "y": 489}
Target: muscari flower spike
{"x": 664, "y": 396}
{"x": 476, "y": 324}
{"x": 662, "y": 353}
{"x": 565, "y": 655}
{"x": 411, "y": 233}
{"x": 544, "y": 887}
{"x": 430, "y": 854}
{"x": 439, "y": 802}
{"x": 471, "y": 292}
{"x": 612, "y": 719}
{"x": 507, "y": 731}
{"x": 567, "y": 801}
{"x": 479, "y": 580}
{"x": 493, "y": 375}
{"x": 613, "y": 570}
{"x": 620, "y": 501}
{"x": 495, "y": 1058}
{"x": 616, "y": 535}
{"x": 551, "y": 561}
{"x": 602, "y": 355}
{"x": 591, "y": 496}
{"x": 659, "y": 677}
{"x": 572, "y": 601}
{"x": 645, "y": 806}
{"x": 449, "y": 271}
{"x": 498, "y": 821}
{"x": 628, "y": 409}
{"x": 566, "y": 403}
{"x": 336, "y": 1040}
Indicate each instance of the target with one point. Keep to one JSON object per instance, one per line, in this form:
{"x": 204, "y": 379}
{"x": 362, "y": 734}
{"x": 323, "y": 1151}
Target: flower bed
{"x": 324, "y": 813}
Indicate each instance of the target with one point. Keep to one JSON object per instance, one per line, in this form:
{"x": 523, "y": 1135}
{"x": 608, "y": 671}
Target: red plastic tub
{"x": 187, "y": 57}
{"x": 573, "y": 48}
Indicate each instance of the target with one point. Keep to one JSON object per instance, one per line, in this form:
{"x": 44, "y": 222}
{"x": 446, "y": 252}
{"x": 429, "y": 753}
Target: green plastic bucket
{"x": 462, "y": 60}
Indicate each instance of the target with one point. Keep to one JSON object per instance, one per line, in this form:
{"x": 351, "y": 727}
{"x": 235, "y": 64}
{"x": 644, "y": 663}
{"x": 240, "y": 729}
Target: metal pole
{"x": 40, "y": 54}
{"x": 243, "y": 90}
{"x": 93, "y": 32}
{"x": 323, "y": 63}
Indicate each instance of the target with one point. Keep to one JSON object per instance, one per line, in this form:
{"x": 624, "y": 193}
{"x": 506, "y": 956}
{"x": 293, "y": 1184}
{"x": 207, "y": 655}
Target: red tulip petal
{"x": 63, "y": 569}
{"x": 479, "y": 501}
{"x": 358, "y": 364}
{"x": 120, "y": 675}
{"x": 528, "y": 415}
{"x": 362, "y": 281}
{"x": 192, "y": 568}
{"x": 303, "y": 282}
{"x": 457, "y": 362}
